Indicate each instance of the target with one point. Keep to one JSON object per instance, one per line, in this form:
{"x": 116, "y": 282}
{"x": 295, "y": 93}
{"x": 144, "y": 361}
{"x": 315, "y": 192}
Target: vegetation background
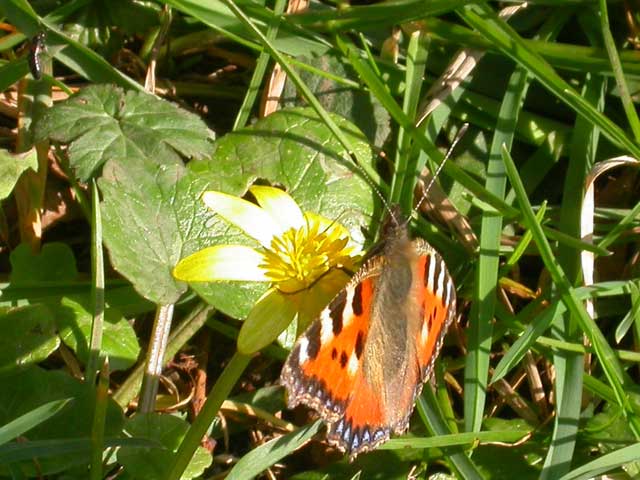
{"x": 112, "y": 368}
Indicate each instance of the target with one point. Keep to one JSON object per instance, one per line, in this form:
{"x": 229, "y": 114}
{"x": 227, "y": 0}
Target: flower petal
{"x": 220, "y": 263}
{"x": 253, "y": 220}
{"x": 284, "y": 210}
{"x": 268, "y": 318}
{"x": 316, "y": 298}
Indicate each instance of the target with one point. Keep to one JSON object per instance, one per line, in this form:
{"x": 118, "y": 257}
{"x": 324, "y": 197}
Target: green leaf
{"x": 35, "y": 387}
{"x": 217, "y": 16}
{"x": 119, "y": 340}
{"x": 55, "y": 263}
{"x": 28, "y": 337}
{"x": 354, "y": 104}
{"x": 295, "y": 149}
{"x": 12, "y": 166}
{"x": 115, "y": 20}
{"x": 152, "y": 217}
{"x": 605, "y": 463}
{"x": 152, "y": 463}
{"x": 103, "y": 122}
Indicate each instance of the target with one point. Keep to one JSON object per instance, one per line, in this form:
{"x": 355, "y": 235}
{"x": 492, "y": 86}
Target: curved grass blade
{"x": 481, "y": 17}
{"x": 31, "y": 419}
{"x": 617, "y": 377}
{"x": 605, "y": 463}
{"x": 266, "y": 455}
{"x": 17, "y": 452}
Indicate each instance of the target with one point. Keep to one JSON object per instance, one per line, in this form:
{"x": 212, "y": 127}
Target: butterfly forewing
{"x": 320, "y": 369}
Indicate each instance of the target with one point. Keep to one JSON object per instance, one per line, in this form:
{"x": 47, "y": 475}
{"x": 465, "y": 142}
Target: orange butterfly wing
{"x": 356, "y": 364}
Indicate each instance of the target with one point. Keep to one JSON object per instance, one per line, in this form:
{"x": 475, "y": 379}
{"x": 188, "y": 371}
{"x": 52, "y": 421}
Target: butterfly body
{"x": 362, "y": 363}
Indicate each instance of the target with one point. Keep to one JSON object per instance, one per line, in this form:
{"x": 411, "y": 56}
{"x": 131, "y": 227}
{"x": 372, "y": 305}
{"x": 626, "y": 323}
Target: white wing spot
{"x": 424, "y": 332}
{"x": 352, "y": 366}
{"x": 432, "y": 267}
{"x": 347, "y": 314}
{"x": 440, "y": 289}
{"x": 326, "y": 327}
{"x": 303, "y": 356}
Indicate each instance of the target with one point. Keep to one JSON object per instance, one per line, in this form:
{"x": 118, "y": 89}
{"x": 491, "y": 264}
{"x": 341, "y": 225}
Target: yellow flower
{"x": 304, "y": 256}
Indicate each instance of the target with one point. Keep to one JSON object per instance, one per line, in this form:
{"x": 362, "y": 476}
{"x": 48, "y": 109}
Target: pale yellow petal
{"x": 267, "y": 319}
{"x": 282, "y": 208}
{"x": 220, "y": 263}
{"x": 253, "y": 220}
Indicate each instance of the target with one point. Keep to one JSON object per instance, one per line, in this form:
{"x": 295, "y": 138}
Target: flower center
{"x": 299, "y": 257}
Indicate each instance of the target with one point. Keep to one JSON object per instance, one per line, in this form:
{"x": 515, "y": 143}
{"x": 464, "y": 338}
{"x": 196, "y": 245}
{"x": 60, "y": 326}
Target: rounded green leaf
{"x": 153, "y": 463}
{"x": 119, "y": 341}
{"x": 28, "y": 337}
{"x": 103, "y": 122}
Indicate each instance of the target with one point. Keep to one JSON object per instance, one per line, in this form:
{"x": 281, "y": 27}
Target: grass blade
{"x": 616, "y": 376}
{"x": 483, "y": 308}
{"x": 486, "y": 21}
{"x": 97, "y": 287}
{"x": 570, "y": 366}
{"x": 605, "y": 463}
{"x": 261, "y": 458}
{"x": 35, "y": 417}
{"x": 219, "y": 392}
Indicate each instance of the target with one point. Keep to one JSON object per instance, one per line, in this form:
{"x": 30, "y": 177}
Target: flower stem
{"x": 198, "y": 429}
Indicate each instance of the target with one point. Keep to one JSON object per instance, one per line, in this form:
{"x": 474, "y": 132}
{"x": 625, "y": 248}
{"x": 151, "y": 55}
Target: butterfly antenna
{"x": 455, "y": 142}
{"x": 375, "y": 188}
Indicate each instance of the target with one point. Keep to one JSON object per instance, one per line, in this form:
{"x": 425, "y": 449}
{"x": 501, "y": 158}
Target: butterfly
{"x": 362, "y": 363}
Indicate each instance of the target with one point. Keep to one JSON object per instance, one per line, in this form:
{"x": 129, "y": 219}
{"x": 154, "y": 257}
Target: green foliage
{"x": 34, "y": 387}
{"x": 152, "y": 463}
{"x": 120, "y": 343}
{"x": 11, "y": 167}
{"x": 102, "y": 123}
{"x": 28, "y": 337}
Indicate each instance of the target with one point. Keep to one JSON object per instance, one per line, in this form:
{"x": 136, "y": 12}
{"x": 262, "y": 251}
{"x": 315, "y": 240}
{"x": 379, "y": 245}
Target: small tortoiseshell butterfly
{"x": 363, "y": 362}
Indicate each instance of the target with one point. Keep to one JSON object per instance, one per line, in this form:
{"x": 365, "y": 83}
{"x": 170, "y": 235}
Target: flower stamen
{"x": 300, "y": 256}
